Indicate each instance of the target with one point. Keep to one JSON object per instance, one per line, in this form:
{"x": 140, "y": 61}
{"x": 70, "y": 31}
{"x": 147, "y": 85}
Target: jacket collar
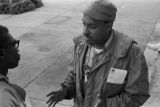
{"x": 118, "y": 44}
{"x": 109, "y": 41}
{"x": 121, "y": 44}
{"x": 4, "y": 78}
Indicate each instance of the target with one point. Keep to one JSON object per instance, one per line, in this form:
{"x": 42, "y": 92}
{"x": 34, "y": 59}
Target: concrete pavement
{"x": 46, "y": 39}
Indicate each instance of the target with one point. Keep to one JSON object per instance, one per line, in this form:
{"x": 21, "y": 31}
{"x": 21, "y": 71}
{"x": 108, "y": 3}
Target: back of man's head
{"x": 9, "y": 56}
{"x": 4, "y": 35}
{"x": 103, "y": 10}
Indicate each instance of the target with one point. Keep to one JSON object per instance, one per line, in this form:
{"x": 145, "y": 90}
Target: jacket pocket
{"x": 111, "y": 89}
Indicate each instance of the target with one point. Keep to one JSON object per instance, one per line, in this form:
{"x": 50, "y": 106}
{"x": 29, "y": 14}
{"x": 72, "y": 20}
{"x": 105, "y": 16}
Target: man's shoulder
{"x": 3, "y": 85}
{"x": 123, "y": 37}
{"x": 9, "y": 95}
{"x": 136, "y": 50}
{"x": 6, "y": 95}
{"x": 123, "y": 43}
{"x": 128, "y": 40}
{"x": 4, "y": 88}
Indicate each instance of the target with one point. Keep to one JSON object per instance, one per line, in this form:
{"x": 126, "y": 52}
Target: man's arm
{"x": 67, "y": 90}
{"x": 69, "y": 82}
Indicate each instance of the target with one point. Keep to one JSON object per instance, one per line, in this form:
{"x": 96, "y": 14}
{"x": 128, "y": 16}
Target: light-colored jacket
{"x": 11, "y": 95}
{"x": 122, "y": 54}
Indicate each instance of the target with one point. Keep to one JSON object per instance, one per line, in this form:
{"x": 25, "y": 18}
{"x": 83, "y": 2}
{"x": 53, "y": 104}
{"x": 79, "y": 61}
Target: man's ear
{"x": 109, "y": 25}
{"x": 2, "y": 53}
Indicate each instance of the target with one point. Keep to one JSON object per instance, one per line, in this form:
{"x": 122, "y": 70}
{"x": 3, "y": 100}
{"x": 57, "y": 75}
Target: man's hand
{"x": 55, "y": 97}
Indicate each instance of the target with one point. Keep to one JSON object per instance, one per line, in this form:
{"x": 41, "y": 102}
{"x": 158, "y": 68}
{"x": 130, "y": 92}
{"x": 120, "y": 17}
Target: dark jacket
{"x": 123, "y": 54}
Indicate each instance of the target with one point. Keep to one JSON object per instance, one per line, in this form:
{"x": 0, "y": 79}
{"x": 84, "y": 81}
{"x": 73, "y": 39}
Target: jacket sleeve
{"x": 136, "y": 91}
{"x": 69, "y": 82}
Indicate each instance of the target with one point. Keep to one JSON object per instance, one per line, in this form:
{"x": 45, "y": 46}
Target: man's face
{"x": 11, "y": 55}
{"x": 95, "y": 32}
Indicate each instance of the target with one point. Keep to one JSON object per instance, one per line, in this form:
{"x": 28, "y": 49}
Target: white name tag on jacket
{"x": 116, "y": 76}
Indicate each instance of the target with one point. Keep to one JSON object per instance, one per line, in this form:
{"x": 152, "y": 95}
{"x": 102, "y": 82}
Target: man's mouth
{"x": 87, "y": 38}
{"x": 19, "y": 56}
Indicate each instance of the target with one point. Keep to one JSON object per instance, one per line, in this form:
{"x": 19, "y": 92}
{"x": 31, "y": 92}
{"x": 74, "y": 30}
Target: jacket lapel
{"x": 81, "y": 56}
{"x": 104, "y": 59}
{"x": 81, "y": 59}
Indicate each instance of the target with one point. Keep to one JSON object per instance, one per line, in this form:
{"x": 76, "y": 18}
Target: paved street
{"x": 46, "y": 39}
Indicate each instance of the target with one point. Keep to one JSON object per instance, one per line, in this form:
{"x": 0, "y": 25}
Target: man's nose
{"x": 85, "y": 30}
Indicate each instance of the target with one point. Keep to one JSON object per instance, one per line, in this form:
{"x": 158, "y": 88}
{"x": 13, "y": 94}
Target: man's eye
{"x": 92, "y": 26}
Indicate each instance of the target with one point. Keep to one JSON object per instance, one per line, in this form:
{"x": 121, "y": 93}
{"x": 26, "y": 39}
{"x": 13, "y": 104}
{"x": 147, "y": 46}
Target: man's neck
{"x": 3, "y": 70}
{"x": 99, "y": 46}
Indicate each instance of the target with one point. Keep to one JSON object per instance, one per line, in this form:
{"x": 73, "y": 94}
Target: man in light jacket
{"x": 108, "y": 68}
{"x": 11, "y": 95}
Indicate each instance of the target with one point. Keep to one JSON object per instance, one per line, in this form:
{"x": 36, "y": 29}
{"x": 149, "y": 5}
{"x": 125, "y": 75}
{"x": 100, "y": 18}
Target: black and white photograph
{"x": 79, "y": 53}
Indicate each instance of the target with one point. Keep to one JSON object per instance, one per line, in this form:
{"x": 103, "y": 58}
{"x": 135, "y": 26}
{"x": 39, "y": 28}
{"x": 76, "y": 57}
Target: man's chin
{"x": 14, "y": 66}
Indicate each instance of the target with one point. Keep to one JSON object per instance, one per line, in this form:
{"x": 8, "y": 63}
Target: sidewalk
{"x": 46, "y": 39}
